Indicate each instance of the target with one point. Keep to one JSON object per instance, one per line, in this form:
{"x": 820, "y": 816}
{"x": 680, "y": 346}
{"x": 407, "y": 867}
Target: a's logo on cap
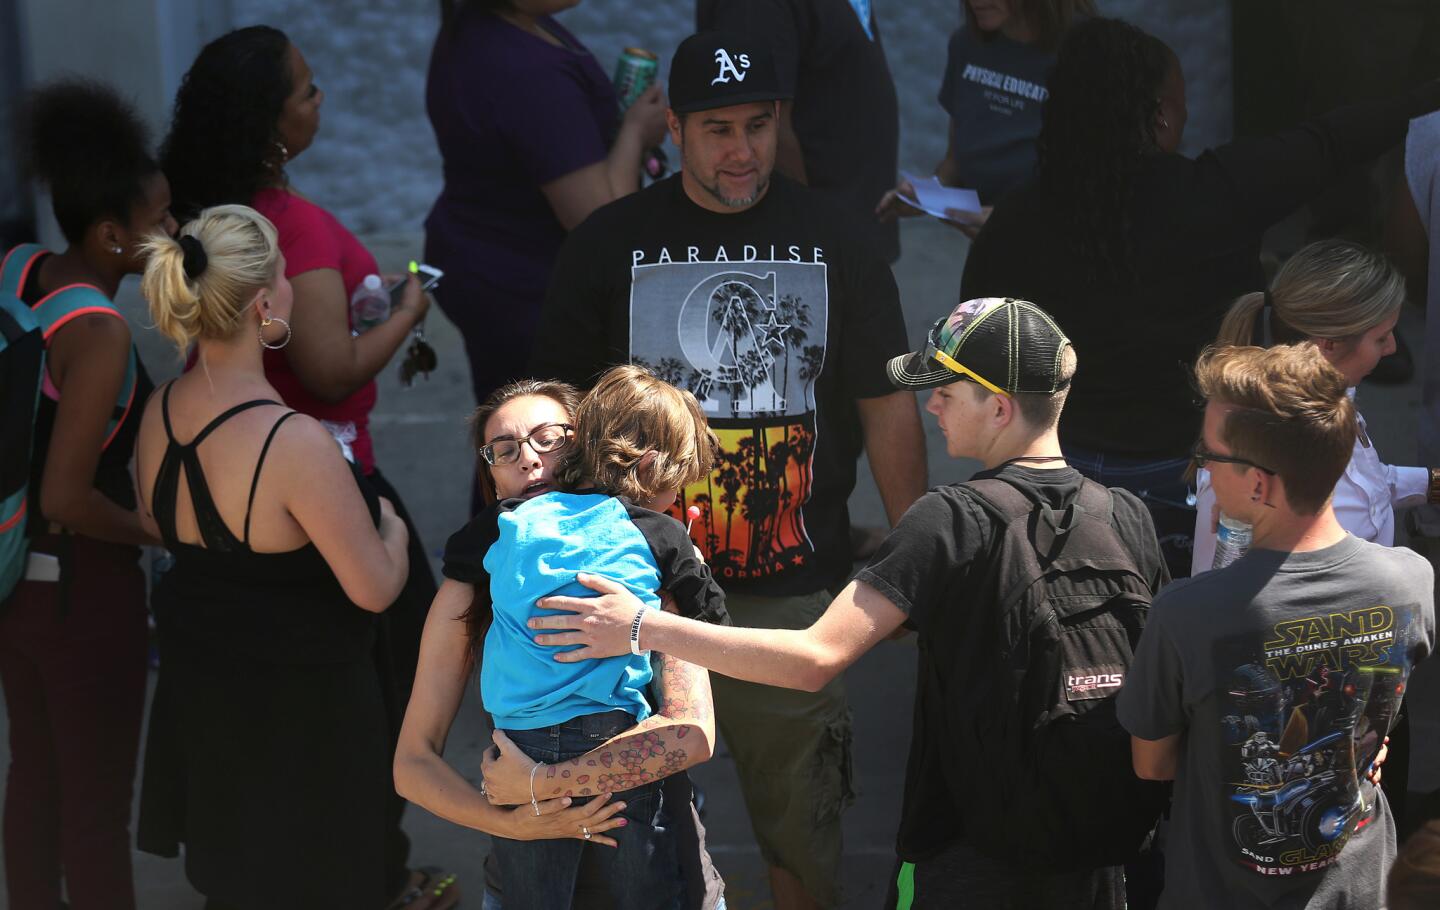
{"x": 727, "y": 67}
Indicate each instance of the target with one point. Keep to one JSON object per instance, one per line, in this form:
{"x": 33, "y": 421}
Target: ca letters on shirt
{"x": 746, "y": 336}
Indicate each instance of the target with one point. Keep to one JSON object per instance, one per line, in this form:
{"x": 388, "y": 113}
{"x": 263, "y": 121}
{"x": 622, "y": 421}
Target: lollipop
{"x": 692, "y": 513}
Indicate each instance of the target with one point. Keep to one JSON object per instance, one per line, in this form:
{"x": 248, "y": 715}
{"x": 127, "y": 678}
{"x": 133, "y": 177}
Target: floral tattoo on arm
{"x": 654, "y": 749}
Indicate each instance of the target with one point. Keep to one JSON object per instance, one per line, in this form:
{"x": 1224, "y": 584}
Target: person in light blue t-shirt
{"x": 638, "y": 441}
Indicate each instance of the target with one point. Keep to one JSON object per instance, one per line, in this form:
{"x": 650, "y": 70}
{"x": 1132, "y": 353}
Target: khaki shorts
{"x": 792, "y": 750}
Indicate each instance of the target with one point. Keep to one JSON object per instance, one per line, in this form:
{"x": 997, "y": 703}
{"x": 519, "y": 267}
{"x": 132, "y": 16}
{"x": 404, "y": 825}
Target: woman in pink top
{"x": 246, "y": 108}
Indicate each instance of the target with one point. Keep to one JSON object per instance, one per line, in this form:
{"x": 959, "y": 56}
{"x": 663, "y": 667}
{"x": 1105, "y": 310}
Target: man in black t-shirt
{"x": 759, "y": 297}
{"x": 841, "y": 132}
{"x": 1000, "y": 370}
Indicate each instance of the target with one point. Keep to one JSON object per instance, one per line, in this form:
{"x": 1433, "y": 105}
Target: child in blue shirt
{"x": 638, "y": 441}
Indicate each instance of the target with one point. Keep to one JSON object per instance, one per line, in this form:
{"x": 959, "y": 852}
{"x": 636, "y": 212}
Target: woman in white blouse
{"x": 1346, "y": 299}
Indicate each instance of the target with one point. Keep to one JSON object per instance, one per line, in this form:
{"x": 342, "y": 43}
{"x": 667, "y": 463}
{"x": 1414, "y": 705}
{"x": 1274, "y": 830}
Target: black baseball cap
{"x": 718, "y": 69}
{"x": 1009, "y": 346}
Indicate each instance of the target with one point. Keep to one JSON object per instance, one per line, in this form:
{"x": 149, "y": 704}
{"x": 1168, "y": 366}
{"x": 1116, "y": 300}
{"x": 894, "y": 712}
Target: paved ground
{"x": 421, "y": 444}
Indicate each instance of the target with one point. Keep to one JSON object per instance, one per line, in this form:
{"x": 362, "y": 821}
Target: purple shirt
{"x": 511, "y": 112}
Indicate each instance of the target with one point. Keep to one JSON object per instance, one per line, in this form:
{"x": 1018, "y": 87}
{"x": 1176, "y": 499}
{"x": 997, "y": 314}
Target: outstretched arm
{"x": 791, "y": 658}
{"x": 679, "y": 735}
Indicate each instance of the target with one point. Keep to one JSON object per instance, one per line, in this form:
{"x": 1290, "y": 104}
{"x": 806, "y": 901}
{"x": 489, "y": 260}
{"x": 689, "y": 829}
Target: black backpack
{"x": 1044, "y": 773}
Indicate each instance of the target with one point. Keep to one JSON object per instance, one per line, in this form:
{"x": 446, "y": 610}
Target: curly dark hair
{"x": 90, "y": 148}
{"x": 224, "y": 128}
{"x": 1096, "y": 124}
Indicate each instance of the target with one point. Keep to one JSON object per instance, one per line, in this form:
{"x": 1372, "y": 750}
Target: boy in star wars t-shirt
{"x": 1265, "y": 689}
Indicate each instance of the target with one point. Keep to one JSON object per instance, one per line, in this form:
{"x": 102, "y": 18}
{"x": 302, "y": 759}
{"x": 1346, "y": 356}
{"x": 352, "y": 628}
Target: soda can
{"x": 1232, "y": 540}
{"x": 634, "y": 73}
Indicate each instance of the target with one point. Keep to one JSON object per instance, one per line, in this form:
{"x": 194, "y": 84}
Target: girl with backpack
{"x": 73, "y": 629}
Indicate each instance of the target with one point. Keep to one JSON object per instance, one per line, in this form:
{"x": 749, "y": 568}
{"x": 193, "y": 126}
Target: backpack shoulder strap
{"x": 58, "y": 308}
{"x": 1098, "y": 501}
{"x": 16, "y": 266}
{"x": 1000, "y": 497}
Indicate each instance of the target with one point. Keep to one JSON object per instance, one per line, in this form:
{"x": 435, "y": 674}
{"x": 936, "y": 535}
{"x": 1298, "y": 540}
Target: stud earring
{"x": 117, "y": 250}
{"x": 1165, "y": 123}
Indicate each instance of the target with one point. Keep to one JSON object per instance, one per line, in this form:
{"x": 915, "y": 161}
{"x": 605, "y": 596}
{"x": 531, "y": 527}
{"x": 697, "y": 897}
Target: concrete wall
{"x": 142, "y": 47}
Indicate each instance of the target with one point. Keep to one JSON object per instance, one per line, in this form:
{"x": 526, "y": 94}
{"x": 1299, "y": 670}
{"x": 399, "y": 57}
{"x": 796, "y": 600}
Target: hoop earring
{"x": 265, "y": 323}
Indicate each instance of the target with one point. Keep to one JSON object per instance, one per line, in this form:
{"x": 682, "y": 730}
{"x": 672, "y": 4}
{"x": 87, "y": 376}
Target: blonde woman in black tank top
{"x": 268, "y": 754}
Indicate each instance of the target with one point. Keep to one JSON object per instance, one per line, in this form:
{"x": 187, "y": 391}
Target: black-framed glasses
{"x": 542, "y": 439}
{"x": 1201, "y": 457}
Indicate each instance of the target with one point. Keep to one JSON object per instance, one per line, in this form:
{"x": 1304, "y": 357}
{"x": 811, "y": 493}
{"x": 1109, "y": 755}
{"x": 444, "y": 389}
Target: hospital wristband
{"x": 635, "y": 633}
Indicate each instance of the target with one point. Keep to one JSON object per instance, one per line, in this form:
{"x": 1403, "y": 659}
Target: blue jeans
{"x": 491, "y": 902}
{"x": 1160, "y": 484}
{"x": 642, "y": 873}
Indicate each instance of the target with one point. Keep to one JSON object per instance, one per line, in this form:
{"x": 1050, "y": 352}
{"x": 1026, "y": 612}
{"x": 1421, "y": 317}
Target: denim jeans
{"x": 642, "y": 873}
{"x": 1160, "y": 483}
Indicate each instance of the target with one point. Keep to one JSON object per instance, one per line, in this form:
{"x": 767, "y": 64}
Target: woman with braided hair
{"x": 1141, "y": 249}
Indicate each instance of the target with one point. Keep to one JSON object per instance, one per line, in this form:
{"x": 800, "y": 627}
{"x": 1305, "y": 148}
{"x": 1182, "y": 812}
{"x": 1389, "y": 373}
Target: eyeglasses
{"x": 547, "y": 438}
{"x": 1201, "y": 457}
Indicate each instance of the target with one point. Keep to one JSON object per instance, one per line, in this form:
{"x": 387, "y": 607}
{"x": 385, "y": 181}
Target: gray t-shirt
{"x": 1282, "y": 673}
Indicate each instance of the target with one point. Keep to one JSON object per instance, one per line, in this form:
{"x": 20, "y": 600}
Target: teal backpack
{"x": 24, "y": 334}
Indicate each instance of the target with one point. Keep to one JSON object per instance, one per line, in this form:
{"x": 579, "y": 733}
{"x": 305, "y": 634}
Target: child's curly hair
{"x": 628, "y": 414}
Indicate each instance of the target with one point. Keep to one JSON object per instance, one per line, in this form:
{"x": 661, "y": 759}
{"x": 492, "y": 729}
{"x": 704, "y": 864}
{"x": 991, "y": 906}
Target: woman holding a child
{"x": 573, "y": 487}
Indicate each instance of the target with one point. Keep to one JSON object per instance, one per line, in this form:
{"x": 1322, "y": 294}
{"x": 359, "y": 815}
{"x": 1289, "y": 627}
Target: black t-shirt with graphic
{"x": 777, "y": 318}
{"x": 1281, "y": 674}
{"x": 845, "y": 114}
{"x": 933, "y": 566}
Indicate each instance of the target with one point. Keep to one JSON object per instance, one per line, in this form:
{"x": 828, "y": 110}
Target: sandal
{"x": 430, "y": 888}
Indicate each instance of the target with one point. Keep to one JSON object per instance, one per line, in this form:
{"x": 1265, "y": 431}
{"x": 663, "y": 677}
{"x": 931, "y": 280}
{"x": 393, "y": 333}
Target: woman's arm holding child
{"x": 680, "y": 734}
{"x": 422, "y": 775}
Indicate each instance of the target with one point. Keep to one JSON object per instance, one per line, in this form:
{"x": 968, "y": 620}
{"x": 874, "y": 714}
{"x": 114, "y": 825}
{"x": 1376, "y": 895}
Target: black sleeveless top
{"x": 282, "y": 607}
{"x": 268, "y": 714}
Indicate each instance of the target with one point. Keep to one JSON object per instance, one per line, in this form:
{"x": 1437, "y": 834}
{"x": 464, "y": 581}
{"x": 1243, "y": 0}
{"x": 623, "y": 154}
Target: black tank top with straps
{"x": 215, "y": 534}
{"x": 221, "y": 594}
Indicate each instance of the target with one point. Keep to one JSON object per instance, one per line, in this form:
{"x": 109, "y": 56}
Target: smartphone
{"x": 429, "y": 277}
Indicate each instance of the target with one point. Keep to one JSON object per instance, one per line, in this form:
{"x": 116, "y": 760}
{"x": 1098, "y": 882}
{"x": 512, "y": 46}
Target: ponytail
{"x": 1238, "y": 328}
{"x": 174, "y": 298}
{"x": 201, "y": 284}
{"x": 1331, "y": 289}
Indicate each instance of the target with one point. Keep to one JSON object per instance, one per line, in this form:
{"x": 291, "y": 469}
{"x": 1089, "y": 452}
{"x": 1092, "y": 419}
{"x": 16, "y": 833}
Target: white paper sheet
{"x": 933, "y": 198}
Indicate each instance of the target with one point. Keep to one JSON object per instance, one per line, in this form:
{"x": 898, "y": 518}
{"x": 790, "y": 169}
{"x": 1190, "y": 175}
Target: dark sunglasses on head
{"x": 1201, "y": 457}
{"x": 547, "y": 438}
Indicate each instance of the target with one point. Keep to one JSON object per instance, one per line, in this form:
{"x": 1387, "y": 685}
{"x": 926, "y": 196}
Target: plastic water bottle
{"x": 369, "y": 305}
{"x": 1232, "y": 540}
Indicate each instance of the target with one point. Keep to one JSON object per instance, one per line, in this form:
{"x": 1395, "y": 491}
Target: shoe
{"x": 1396, "y": 369}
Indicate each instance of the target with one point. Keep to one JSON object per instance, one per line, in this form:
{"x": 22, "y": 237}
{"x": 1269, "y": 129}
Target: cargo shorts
{"x": 793, "y": 753}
